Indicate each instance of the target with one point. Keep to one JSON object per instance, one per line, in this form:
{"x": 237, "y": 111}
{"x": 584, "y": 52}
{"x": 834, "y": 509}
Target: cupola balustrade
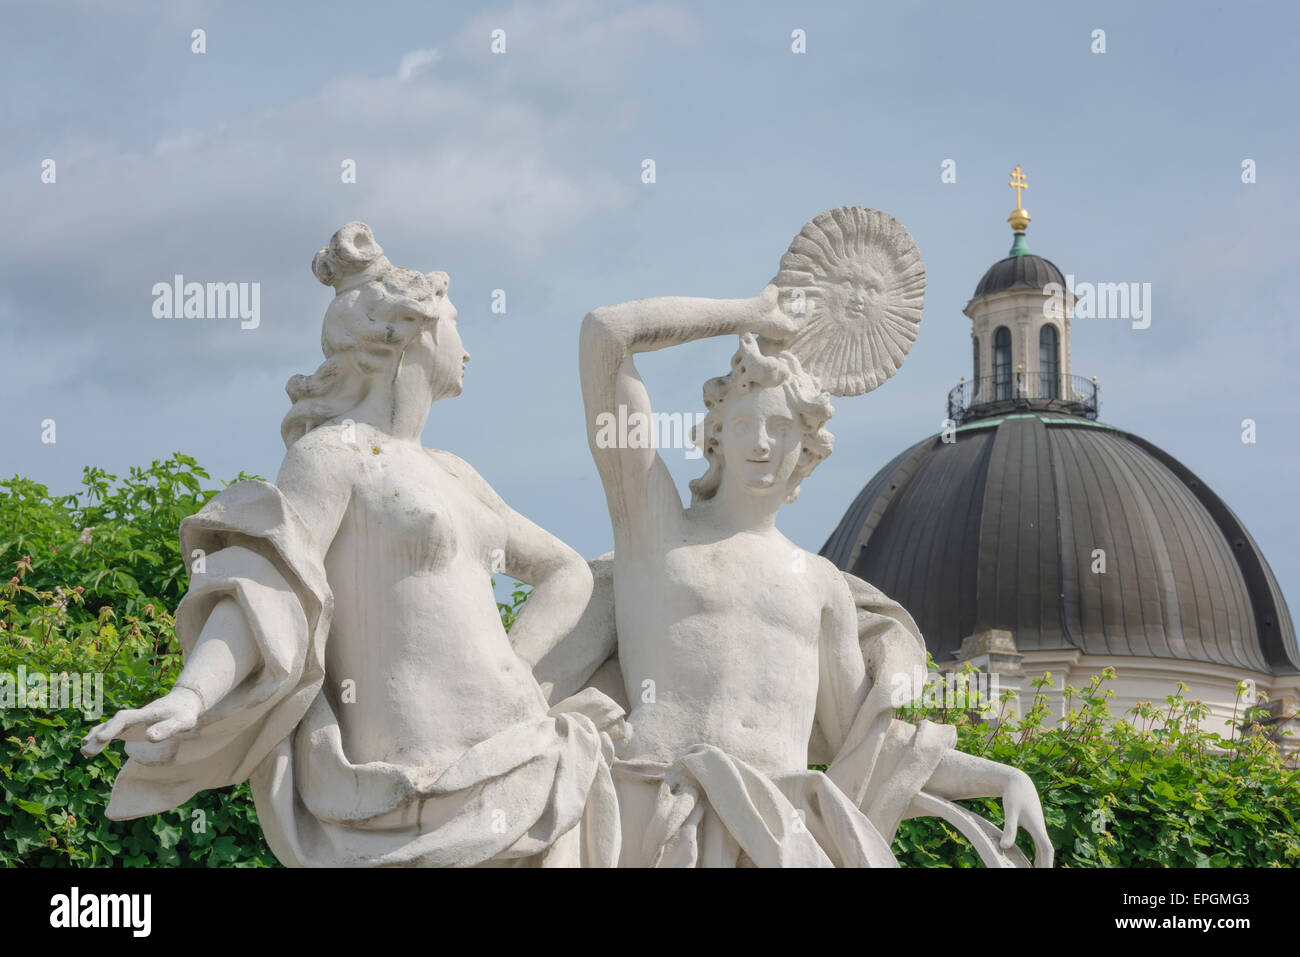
{"x": 1017, "y": 390}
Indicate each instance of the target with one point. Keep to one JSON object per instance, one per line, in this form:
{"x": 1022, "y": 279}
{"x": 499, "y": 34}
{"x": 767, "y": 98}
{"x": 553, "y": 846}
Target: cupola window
{"x": 1002, "y": 363}
{"x": 1049, "y": 362}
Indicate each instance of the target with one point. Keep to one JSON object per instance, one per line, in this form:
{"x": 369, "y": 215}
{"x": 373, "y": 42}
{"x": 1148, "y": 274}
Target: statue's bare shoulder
{"x": 318, "y": 475}
{"x": 830, "y": 580}
{"x": 468, "y": 477}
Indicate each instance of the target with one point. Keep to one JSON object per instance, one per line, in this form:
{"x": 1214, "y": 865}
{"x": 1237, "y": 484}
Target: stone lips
{"x": 864, "y": 286}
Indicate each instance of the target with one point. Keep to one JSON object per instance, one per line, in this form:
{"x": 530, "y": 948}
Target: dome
{"x": 998, "y": 530}
{"x": 1022, "y": 271}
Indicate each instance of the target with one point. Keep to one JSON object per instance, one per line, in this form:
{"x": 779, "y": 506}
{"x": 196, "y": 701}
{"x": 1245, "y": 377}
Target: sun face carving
{"x": 858, "y": 277}
{"x": 856, "y": 298}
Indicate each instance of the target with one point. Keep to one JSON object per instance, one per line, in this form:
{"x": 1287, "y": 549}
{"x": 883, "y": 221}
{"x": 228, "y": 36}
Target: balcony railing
{"x": 989, "y": 395}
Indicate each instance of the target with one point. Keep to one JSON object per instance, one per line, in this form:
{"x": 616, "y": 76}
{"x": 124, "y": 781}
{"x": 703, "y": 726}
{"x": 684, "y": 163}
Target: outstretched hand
{"x": 160, "y": 720}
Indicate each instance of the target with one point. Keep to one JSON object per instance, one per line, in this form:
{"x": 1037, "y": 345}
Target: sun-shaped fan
{"x": 857, "y": 276}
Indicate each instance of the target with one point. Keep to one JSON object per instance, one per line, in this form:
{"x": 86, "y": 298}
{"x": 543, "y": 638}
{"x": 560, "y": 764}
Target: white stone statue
{"x": 740, "y": 657}
{"x": 343, "y": 648}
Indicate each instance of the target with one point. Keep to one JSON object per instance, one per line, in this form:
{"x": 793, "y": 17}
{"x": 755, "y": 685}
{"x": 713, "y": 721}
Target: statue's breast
{"x": 429, "y": 539}
{"x": 410, "y": 517}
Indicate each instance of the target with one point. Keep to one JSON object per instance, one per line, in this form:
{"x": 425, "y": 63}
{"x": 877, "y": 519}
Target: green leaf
{"x": 35, "y": 808}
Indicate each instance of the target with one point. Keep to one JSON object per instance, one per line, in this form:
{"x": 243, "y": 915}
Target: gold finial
{"x": 1018, "y": 182}
{"x": 1019, "y": 217}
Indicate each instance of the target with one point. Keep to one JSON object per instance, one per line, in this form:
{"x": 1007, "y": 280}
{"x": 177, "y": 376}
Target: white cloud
{"x": 416, "y": 62}
{"x": 466, "y": 164}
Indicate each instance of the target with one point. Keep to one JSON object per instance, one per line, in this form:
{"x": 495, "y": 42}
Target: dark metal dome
{"x": 1023, "y": 271}
{"x": 997, "y": 530}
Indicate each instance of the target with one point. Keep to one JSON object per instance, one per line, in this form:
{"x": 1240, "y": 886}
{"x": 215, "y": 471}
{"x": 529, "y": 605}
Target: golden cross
{"x": 1018, "y": 182}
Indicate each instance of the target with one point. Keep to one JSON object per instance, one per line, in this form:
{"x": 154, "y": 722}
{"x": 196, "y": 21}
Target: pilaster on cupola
{"x": 1020, "y": 323}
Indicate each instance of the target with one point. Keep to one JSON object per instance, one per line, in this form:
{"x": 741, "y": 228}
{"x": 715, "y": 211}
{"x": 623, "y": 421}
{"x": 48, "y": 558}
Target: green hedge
{"x": 95, "y": 575}
{"x": 1154, "y": 787}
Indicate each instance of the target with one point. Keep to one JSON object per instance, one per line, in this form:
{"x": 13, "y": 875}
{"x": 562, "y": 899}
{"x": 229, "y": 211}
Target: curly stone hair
{"x": 808, "y": 401}
{"x": 377, "y": 311}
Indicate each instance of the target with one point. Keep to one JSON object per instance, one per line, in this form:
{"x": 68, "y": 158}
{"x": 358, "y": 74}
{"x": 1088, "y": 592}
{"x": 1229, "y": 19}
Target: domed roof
{"x": 1021, "y": 271}
{"x": 998, "y": 530}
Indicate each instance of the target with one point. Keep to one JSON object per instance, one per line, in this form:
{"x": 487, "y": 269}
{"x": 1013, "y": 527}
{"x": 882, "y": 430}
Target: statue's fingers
{"x": 114, "y": 726}
{"x": 91, "y": 739}
{"x": 91, "y": 744}
{"x": 165, "y": 729}
{"x": 1012, "y": 826}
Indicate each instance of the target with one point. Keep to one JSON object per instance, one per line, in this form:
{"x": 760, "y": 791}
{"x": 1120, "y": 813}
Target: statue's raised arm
{"x": 638, "y": 488}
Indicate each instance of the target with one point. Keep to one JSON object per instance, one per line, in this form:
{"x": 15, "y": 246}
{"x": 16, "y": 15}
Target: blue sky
{"x": 522, "y": 172}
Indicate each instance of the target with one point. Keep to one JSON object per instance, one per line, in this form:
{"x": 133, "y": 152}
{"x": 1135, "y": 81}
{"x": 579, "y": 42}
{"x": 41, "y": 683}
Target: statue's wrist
{"x": 194, "y": 696}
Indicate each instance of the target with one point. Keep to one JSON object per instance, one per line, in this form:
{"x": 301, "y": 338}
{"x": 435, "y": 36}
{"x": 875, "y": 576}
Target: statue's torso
{"x": 416, "y": 626}
{"x": 728, "y": 631}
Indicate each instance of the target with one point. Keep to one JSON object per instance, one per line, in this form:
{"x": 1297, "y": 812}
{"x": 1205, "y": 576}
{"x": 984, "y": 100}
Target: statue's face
{"x": 761, "y": 439}
{"x": 448, "y": 359}
{"x": 436, "y": 348}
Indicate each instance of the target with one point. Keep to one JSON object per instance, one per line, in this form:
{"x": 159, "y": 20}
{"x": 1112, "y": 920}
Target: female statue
{"x": 343, "y": 648}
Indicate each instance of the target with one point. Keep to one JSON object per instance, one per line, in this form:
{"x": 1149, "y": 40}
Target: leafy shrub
{"x": 116, "y": 540}
{"x": 94, "y": 574}
{"x": 1151, "y": 789}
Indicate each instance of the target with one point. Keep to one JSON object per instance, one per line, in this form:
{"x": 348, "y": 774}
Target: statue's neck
{"x": 743, "y": 510}
{"x": 397, "y": 405}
